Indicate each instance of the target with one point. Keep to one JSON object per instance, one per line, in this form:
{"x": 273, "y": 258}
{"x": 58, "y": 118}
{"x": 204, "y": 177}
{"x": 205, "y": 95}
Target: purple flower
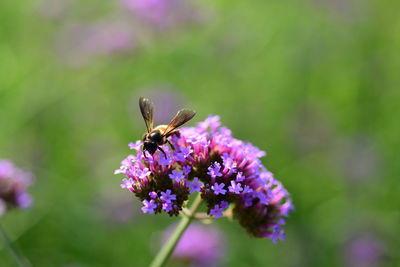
{"x": 248, "y": 201}
{"x": 229, "y": 163}
{"x": 207, "y": 158}
{"x": 187, "y": 169}
{"x": 262, "y": 197}
{"x": 13, "y": 187}
{"x": 214, "y": 171}
{"x": 183, "y": 154}
{"x": 135, "y": 146}
{"x": 177, "y": 176}
{"x": 277, "y": 234}
{"x": 224, "y": 204}
{"x": 218, "y": 189}
{"x": 247, "y": 189}
{"x": 127, "y": 183}
{"x": 194, "y": 186}
{"x": 141, "y": 174}
{"x": 24, "y": 200}
{"x": 216, "y": 211}
{"x": 153, "y": 195}
{"x": 240, "y": 177}
{"x": 200, "y": 245}
{"x": 153, "y": 10}
{"x": 167, "y": 206}
{"x": 364, "y": 250}
{"x": 149, "y": 206}
{"x": 164, "y": 161}
{"x": 162, "y": 13}
{"x": 235, "y": 188}
{"x": 211, "y": 122}
{"x": 167, "y": 197}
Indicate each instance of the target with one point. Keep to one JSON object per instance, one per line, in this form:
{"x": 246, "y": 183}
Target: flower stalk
{"x": 167, "y": 249}
{"x": 20, "y": 260}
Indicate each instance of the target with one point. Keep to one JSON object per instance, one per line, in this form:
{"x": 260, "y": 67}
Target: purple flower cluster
{"x": 226, "y": 171}
{"x": 13, "y": 185}
{"x": 200, "y": 245}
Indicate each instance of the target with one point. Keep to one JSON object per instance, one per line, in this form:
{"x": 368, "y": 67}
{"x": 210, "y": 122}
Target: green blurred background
{"x": 314, "y": 83}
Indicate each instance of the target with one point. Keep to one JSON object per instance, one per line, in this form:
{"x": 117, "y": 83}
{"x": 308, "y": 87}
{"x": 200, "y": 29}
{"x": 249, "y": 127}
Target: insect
{"x": 155, "y": 137}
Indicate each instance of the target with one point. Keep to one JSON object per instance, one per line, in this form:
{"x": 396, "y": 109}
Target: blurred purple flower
{"x": 364, "y": 250}
{"x": 358, "y": 158}
{"x": 200, "y": 245}
{"x": 13, "y": 185}
{"x": 163, "y": 13}
{"x": 260, "y": 201}
{"x": 156, "y": 11}
{"x": 80, "y": 42}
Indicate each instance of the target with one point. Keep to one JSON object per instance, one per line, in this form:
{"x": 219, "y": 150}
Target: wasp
{"x": 154, "y": 138}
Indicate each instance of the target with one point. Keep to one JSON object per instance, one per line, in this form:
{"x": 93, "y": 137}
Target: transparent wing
{"x": 147, "y": 110}
{"x": 183, "y": 116}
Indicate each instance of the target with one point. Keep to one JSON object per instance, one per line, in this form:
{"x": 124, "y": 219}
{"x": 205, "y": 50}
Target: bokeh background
{"x": 315, "y": 83}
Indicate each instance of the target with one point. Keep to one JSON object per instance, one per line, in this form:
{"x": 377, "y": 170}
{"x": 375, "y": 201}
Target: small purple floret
{"x": 167, "y": 206}
{"x": 214, "y": 170}
{"x": 216, "y": 211}
{"x": 177, "y": 176}
{"x": 240, "y": 177}
{"x": 149, "y": 206}
{"x": 187, "y": 169}
{"x": 164, "y": 161}
{"x": 127, "y": 183}
{"x": 153, "y": 195}
{"x": 235, "y": 188}
{"x": 167, "y": 197}
{"x": 218, "y": 189}
{"x": 141, "y": 174}
{"x": 247, "y": 189}
{"x": 224, "y": 204}
{"x": 194, "y": 186}
{"x": 135, "y": 146}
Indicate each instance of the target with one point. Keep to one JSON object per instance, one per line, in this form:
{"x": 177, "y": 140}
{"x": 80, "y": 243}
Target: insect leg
{"x": 165, "y": 155}
{"x": 144, "y": 152}
{"x": 171, "y": 145}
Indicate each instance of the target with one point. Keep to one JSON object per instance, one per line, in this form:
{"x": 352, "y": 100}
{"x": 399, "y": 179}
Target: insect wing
{"x": 180, "y": 118}
{"x": 147, "y": 110}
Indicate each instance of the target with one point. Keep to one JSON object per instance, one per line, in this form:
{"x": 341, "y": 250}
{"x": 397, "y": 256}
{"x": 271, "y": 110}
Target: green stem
{"x": 166, "y": 251}
{"x": 18, "y": 257}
